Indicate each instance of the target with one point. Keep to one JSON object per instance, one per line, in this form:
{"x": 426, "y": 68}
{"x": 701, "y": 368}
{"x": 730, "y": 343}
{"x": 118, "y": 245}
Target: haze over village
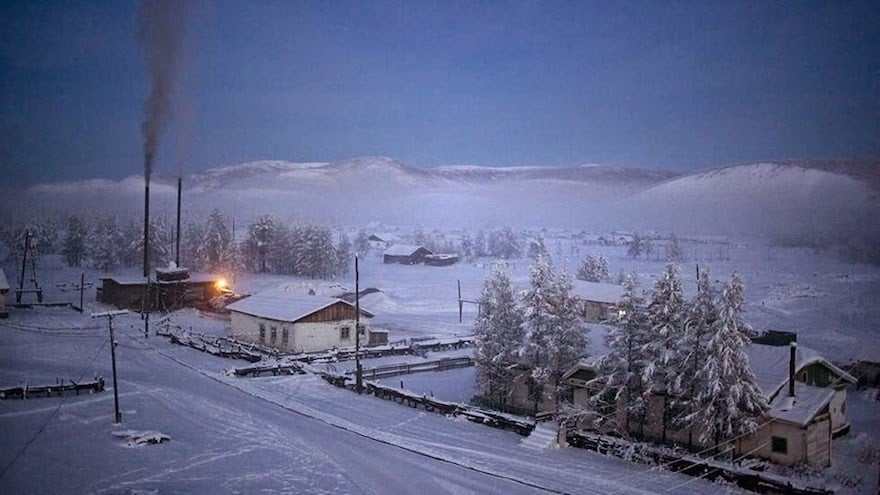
{"x": 407, "y": 247}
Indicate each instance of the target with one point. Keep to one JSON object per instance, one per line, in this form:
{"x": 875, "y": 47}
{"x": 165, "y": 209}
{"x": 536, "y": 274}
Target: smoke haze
{"x": 160, "y": 30}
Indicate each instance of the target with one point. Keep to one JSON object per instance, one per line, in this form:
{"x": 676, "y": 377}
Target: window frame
{"x": 779, "y": 445}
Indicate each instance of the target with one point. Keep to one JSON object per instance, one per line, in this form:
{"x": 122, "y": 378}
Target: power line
{"x": 51, "y": 416}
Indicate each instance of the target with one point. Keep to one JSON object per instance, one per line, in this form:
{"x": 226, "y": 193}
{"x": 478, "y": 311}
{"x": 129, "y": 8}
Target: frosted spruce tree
{"x": 593, "y": 269}
{"x": 343, "y": 254}
{"x": 674, "y": 252}
{"x": 74, "y": 244}
{"x": 729, "y": 402}
{"x": 263, "y": 235}
{"x": 555, "y": 339}
{"x": 217, "y": 244}
{"x": 619, "y": 378}
{"x": 499, "y": 336}
{"x": 700, "y": 317}
{"x": 103, "y": 244}
{"x": 663, "y": 352}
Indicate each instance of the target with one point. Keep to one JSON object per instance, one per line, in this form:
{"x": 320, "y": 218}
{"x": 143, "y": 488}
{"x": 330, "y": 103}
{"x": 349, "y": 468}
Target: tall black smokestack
{"x": 177, "y": 239}
{"x": 159, "y": 29}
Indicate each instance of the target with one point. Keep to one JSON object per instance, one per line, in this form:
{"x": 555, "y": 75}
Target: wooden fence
{"x": 418, "y": 367}
{"x": 60, "y": 388}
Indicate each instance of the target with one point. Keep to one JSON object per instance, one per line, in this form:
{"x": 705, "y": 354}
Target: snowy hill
{"x": 788, "y": 197}
{"x": 783, "y": 198}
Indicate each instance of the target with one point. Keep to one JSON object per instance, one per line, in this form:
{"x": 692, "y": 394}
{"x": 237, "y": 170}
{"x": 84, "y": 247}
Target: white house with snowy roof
{"x": 807, "y": 397}
{"x": 290, "y": 321}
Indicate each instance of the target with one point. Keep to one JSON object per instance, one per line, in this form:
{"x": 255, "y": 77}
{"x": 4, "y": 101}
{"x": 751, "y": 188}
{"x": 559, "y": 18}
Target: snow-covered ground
{"x": 298, "y": 434}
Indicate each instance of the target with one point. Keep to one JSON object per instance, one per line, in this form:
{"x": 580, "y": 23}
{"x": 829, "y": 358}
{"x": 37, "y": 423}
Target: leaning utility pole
{"x": 359, "y": 379}
{"x": 109, "y": 315}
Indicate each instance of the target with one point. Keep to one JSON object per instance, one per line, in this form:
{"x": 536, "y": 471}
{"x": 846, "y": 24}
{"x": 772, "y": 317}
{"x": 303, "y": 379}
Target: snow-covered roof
{"x": 4, "y": 285}
{"x": 384, "y": 237}
{"x": 770, "y": 365}
{"x": 282, "y": 304}
{"x": 598, "y": 292}
{"x": 139, "y": 279}
{"x": 404, "y": 249}
{"x": 803, "y": 407}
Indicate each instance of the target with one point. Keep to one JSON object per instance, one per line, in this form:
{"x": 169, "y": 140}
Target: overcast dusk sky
{"x": 677, "y": 85}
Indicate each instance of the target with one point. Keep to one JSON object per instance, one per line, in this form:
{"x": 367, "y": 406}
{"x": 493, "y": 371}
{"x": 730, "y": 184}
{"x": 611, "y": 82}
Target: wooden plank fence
{"x": 418, "y": 367}
{"x": 495, "y": 419}
{"x": 275, "y": 369}
{"x": 55, "y": 389}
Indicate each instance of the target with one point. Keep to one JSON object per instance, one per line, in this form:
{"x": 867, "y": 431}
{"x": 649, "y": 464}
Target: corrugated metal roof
{"x": 282, "y": 304}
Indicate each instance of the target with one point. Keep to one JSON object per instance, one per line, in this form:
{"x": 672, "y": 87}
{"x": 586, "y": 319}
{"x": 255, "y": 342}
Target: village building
{"x": 381, "y": 241}
{"x": 597, "y": 301}
{"x": 293, "y": 322}
{"x": 406, "y": 254}
{"x": 4, "y": 289}
{"x": 807, "y": 397}
{"x": 170, "y": 289}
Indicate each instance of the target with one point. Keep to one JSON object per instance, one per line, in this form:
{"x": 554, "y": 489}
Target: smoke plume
{"x": 160, "y": 30}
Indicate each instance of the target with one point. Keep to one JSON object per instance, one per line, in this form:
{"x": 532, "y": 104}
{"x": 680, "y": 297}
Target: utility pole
{"x": 359, "y": 378}
{"x": 82, "y": 284}
{"x": 109, "y": 315}
{"x": 27, "y": 247}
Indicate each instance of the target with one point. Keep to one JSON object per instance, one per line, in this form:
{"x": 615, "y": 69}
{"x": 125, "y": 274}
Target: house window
{"x": 361, "y": 328}
{"x": 273, "y": 335}
{"x": 344, "y": 333}
{"x": 284, "y": 337}
{"x": 843, "y": 408}
{"x": 262, "y": 333}
{"x": 779, "y": 445}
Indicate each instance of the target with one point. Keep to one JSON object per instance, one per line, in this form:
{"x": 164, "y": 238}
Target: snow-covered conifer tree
{"x": 619, "y": 375}
{"x": 663, "y": 352}
{"x": 74, "y": 249}
{"x": 499, "y": 336}
{"x": 730, "y": 403}
{"x": 636, "y": 246}
{"x": 262, "y": 233}
{"x": 480, "y": 244}
{"x": 674, "y": 252}
{"x": 343, "y": 255}
{"x": 217, "y": 243}
{"x": 593, "y": 269}
{"x": 362, "y": 243}
{"x": 700, "y": 318}
{"x": 104, "y": 244}
{"x": 192, "y": 246}
{"x": 537, "y": 247}
{"x": 555, "y": 339}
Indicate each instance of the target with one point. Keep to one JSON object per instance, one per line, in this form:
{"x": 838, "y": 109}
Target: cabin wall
{"x": 301, "y": 337}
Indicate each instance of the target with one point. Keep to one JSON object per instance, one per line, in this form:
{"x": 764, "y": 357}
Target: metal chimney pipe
{"x": 791, "y": 362}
